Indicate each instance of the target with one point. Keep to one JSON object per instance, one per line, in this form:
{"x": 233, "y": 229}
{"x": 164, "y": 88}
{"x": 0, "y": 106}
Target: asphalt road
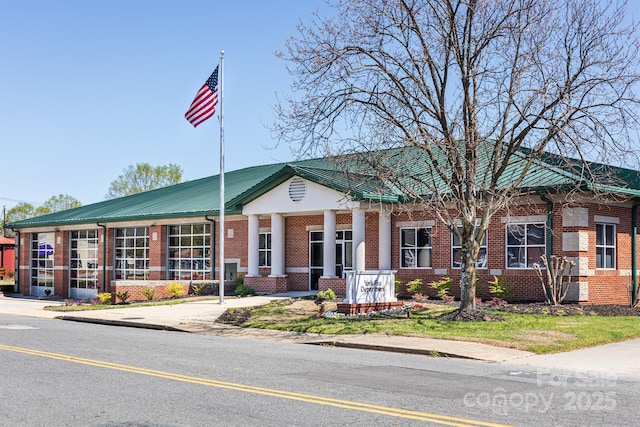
{"x": 57, "y": 373}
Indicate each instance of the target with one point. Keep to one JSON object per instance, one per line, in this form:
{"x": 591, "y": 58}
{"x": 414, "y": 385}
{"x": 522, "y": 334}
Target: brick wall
{"x": 604, "y": 286}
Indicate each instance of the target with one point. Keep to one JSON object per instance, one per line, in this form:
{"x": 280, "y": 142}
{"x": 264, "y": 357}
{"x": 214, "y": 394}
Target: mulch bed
{"x": 482, "y": 314}
{"x": 238, "y": 316}
{"x": 566, "y": 309}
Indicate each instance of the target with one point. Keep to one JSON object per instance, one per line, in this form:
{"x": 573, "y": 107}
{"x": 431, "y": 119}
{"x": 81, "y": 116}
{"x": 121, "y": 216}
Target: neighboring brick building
{"x": 298, "y": 226}
{"x": 7, "y": 257}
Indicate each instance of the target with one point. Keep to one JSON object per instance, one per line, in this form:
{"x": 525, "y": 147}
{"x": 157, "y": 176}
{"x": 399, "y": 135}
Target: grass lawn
{"x": 90, "y": 307}
{"x": 536, "y": 333}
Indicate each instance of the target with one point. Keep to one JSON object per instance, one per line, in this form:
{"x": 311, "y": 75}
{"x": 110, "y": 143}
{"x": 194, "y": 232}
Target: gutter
{"x": 634, "y": 254}
{"x": 549, "y": 223}
{"x": 104, "y": 256}
{"x": 16, "y": 268}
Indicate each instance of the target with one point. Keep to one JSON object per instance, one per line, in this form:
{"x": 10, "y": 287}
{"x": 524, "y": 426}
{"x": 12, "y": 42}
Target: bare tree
{"x": 453, "y": 103}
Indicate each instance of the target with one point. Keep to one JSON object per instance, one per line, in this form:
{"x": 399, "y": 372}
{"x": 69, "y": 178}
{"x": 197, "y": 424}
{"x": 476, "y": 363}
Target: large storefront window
{"x": 190, "y": 252}
{"x": 132, "y": 253}
{"x": 42, "y": 263}
{"x": 83, "y": 258}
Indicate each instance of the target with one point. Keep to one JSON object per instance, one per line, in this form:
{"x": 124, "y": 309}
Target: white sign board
{"x": 370, "y": 286}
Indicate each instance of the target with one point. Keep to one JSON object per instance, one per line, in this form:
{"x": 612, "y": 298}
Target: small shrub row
{"x": 499, "y": 287}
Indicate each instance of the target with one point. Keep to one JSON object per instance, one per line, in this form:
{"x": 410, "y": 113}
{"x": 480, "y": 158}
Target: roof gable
{"x": 298, "y": 195}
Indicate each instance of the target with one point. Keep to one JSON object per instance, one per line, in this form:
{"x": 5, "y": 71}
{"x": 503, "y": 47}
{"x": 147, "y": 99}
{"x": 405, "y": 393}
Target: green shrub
{"x": 243, "y": 290}
{"x": 326, "y": 295}
{"x": 443, "y": 286}
{"x": 104, "y": 298}
{"x": 397, "y": 286}
{"x": 415, "y": 287}
{"x": 501, "y": 288}
{"x": 148, "y": 293}
{"x": 175, "y": 290}
{"x": 6, "y": 288}
{"x": 203, "y": 288}
{"x": 123, "y": 296}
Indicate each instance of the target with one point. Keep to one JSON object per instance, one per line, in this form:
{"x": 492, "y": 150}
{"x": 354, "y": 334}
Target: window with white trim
{"x": 264, "y": 249}
{"x": 525, "y": 244}
{"x": 189, "y": 252}
{"x": 456, "y": 252}
{"x": 132, "y": 253}
{"x": 415, "y": 247}
{"x": 606, "y": 246}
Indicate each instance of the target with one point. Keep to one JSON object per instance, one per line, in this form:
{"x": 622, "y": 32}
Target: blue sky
{"x": 90, "y": 87}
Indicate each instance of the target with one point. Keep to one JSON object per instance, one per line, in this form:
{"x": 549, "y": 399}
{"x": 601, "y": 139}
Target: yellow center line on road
{"x": 302, "y": 397}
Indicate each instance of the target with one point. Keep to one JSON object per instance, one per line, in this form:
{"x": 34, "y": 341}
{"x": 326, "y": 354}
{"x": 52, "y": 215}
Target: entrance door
{"x": 316, "y": 254}
{"x": 344, "y": 244}
{"x": 230, "y": 271}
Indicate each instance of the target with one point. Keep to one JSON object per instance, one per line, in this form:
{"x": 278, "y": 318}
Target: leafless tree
{"x": 454, "y": 103}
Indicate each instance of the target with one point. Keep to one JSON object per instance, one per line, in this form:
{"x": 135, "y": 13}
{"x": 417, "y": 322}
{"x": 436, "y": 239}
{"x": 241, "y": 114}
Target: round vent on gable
{"x": 297, "y": 189}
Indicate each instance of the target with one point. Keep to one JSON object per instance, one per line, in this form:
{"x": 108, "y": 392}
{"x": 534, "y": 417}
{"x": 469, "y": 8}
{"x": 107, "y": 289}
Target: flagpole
{"x": 222, "y": 230}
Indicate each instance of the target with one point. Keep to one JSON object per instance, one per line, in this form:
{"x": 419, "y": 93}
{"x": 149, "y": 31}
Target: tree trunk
{"x": 469, "y": 257}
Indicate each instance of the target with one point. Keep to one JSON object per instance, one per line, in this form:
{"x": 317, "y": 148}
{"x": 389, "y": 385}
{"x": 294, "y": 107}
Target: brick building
{"x": 299, "y": 226}
{"x": 7, "y": 257}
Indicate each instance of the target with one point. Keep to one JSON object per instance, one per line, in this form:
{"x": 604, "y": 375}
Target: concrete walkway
{"x": 200, "y": 316}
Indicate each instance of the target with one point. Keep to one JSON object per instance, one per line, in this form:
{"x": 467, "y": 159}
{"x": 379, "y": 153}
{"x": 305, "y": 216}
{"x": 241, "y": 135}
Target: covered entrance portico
{"x": 315, "y": 235}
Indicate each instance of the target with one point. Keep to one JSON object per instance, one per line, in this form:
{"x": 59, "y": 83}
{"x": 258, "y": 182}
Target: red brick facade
{"x": 569, "y": 238}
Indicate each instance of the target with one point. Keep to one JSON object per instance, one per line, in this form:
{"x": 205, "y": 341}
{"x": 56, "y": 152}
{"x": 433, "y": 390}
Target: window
{"x": 83, "y": 259}
{"x": 606, "y": 246}
{"x": 415, "y": 247}
{"x": 189, "y": 252}
{"x": 525, "y": 244}
{"x": 456, "y": 252}
{"x": 264, "y": 250}
{"x": 344, "y": 251}
{"x": 132, "y": 253}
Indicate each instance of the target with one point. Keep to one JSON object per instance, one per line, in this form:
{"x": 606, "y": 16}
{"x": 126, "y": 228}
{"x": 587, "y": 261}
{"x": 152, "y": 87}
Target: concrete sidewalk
{"x": 200, "y": 316}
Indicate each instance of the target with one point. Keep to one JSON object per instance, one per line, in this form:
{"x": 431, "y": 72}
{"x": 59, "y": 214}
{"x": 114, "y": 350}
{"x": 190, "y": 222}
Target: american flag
{"x": 203, "y": 106}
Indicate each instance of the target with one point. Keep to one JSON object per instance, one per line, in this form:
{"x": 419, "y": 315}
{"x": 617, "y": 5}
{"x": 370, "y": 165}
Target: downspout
{"x": 549, "y": 224}
{"x": 213, "y": 247}
{"x": 104, "y": 256}
{"x": 16, "y": 268}
{"x": 634, "y": 253}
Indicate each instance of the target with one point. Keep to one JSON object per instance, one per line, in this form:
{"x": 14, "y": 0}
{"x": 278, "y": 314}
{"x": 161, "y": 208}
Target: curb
{"x": 405, "y": 350}
{"x": 121, "y": 323}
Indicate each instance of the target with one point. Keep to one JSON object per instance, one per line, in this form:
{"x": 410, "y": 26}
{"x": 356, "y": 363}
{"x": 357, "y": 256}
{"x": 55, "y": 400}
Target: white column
{"x": 277, "y": 245}
{"x": 253, "y": 240}
{"x": 384, "y": 240}
{"x": 357, "y": 225}
{"x": 329, "y": 245}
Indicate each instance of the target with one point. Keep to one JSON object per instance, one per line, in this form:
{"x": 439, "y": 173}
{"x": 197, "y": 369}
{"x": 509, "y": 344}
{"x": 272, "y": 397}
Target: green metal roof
{"x": 347, "y": 174}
